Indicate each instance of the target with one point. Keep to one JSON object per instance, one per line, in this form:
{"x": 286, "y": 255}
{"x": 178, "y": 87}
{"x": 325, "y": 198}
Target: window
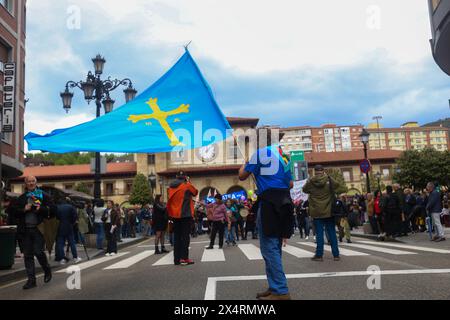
{"x": 128, "y": 187}
{"x": 151, "y": 159}
{"x": 233, "y": 150}
{"x": 109, "y": 189}
{"x": 347, "y": 173}
{"x": 178, "y": 156}
{"x": 8, "y": 4}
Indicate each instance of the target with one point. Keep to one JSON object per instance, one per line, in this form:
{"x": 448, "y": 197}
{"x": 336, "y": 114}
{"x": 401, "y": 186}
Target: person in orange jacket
{"x": 180, "y": 208}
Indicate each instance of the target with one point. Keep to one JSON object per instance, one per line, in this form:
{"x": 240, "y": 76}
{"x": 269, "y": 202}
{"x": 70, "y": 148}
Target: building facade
{"x": 440, "y": 29}
{"x": 12, "y": 50}
{"x": 410, "y": 136}
{"x": 326, "y": 138}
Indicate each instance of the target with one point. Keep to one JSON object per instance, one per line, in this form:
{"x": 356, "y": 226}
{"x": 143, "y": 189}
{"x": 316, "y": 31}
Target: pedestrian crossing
{"x": 251, "y": 252}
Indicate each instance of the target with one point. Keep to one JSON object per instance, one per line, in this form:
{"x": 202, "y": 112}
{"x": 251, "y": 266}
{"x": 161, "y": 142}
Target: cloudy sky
{"x": 287, "y": 62}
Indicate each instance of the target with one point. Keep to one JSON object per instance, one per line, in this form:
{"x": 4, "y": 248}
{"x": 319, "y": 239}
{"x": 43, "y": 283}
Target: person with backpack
{"x": 218, "y": 218}
{"x": 321, "y": 189}
{"x": 341, "y": 220}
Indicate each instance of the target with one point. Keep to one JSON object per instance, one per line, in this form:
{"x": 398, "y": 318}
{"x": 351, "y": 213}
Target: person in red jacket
{"x": 180, "y": 208}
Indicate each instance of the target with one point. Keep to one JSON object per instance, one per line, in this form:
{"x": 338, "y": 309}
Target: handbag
{"x": 333, "y": 199}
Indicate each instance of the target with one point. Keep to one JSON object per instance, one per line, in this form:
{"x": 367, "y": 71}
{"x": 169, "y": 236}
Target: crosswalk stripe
{"x": 344, "y": 252}
{"x": 166, "y": 260}
{"x": 211, "y": 255}
{"x": 378, "y": 249}
{"x": 405, "y": 246}
{"x": 130, "y": 261}
{"x": 251, "y": 251}
{"x": 297, "y": 252}
{"x": 94, "y": 262}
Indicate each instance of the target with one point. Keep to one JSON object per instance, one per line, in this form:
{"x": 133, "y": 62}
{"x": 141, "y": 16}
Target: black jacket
{"x": 434, "y": 204}
{"x": 47, "y": 210}
{"x": 340, "y": 209}
{"x": 277, "y": 216}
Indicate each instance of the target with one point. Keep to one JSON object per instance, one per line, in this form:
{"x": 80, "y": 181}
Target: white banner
{"x": 297, "y": 193}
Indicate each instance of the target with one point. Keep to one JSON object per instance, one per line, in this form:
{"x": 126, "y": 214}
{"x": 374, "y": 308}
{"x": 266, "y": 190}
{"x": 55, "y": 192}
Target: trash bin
{"x": 7, "y": 246}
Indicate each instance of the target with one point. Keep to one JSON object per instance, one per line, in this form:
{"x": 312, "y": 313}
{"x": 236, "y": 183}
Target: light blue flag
{"x": 177, "y": 112}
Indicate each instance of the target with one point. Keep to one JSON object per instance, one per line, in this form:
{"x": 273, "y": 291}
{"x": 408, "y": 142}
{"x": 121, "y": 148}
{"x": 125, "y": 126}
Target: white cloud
{"x": 37, "y": 123}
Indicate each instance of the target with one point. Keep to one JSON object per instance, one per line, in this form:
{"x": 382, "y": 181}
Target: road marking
{"x": 344, "y": 252}
{"x": 94, "y": 262}
{"x": 211, "y": 255}
{"x": 251, "y": 251}
{"x": 297, "y": 252}
{"x": 130, "y": 261}
{"x": 405, "y": 246}
{"x": 166, "y": 260}
{"x": 378, "y": 249}
{"x": 152, "y": 245}
{"x": 211, "y": 285}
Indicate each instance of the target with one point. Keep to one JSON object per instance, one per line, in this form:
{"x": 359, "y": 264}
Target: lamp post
{"x": 152, "y": 183}
{"x": 94, "y": 88}
{"x": 378, "y": 176}
{"x": 364, "y": 137}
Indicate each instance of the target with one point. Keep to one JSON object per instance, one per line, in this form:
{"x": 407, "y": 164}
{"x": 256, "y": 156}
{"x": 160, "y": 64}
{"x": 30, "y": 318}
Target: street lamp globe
{"x": 108, "y": 104}
{"x": 88, "y": 88}
{"x": 130, "y": 93}
{"x": 66, "y": 97}
{"x": 99, "y": 63}
{"x": 364, "y": 136}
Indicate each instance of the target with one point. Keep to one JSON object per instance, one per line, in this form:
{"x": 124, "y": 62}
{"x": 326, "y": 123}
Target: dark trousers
{"x": 217, "y": 226}
{"x": 251, "y": 229}
{"x": 33, "y": 245}
{"x": 111, "y": 239}
{"x": 181, "y": 232}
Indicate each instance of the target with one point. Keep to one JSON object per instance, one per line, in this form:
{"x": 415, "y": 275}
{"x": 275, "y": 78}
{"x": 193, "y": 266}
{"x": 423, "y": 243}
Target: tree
{"x": 416, "y": 168}
{"x": 141, "y": 192}
{"x": 337, "y": 175}
{"x": 82, "y": 187}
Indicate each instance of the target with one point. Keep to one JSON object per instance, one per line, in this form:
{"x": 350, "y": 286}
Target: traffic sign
{"x": 365, "y": 166}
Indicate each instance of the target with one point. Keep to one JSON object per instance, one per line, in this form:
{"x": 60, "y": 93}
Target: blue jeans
{"x": 60, "y": 241}
{"x": 271, "y": 252}
{"x": 229, "y": 234}
{"x": 100, "y": 231}
{"x": 329, "y": 225}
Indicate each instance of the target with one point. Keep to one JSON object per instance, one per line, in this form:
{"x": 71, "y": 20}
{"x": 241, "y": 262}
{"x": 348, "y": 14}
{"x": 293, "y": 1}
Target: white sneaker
{"x": 314, "y": 238}
{"x": 112, "y": 254}
{"x": 306, "y": 238}
{"x": 107, "y": 254}
{"x": 62, "y": 262}
{"x": 77, "y": 260}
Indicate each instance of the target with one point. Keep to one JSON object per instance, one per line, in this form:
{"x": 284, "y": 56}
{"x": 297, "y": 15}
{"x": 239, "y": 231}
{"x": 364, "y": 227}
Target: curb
{"x": 21, "y": 273}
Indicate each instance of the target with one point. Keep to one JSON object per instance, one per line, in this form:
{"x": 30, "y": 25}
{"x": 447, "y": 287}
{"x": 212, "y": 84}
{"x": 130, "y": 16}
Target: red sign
{"x": 365, "y": 166}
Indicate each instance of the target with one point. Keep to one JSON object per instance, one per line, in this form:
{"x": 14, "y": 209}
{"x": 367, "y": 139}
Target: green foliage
{"x": 141, "y": 192}
{"x": 416, "y": 168}
{"x": 82, "y": 187}
{"x": 337, "y": 175}
{"x": 71, "y": 158}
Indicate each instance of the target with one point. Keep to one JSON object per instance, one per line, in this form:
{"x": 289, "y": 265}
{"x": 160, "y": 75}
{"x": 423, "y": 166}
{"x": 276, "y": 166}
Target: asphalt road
{"x": 237, "y": 273}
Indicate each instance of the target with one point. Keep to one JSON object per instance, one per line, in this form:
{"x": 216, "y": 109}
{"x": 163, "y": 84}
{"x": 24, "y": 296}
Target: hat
{"x": 318, "y": 167}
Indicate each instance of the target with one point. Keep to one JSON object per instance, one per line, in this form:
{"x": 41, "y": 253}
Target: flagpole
{"x": 243, "y": 156}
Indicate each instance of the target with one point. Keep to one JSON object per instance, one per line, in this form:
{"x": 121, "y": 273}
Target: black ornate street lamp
{"x": 94, "y": 88}
{"x": 364, "y": 137}
{"x": 378, "y": 176}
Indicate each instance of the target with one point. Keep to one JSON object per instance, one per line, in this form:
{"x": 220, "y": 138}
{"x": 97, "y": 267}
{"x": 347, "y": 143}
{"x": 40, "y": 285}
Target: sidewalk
{"x": 416, "y": 239}
{"x": 18, "y": 269}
